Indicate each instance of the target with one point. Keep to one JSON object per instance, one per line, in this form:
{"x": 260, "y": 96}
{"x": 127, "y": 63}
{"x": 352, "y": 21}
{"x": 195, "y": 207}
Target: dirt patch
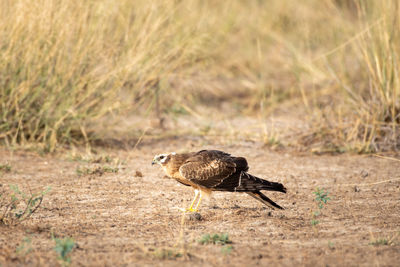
{"x": 131, "y": 217}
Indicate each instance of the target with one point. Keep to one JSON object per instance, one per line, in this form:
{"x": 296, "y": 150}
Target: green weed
{"x": 226, "y": 249}
{"x": 217, "y": 239}
{"x": 100, "y": 159}
{"x": 167, "y": 253}
{"x": 5, "y": 167}
{"x": 379, "y": 242}
{"x": 18, "y": 206}
{"x": 314, "y": 222}
{"x": 63, "y": 248}
{"x": 321, "y": 199}
{"x": 97, "y": 170}
{"x": 389, "y": 241}
{"x": 25, "y": 247}
{"x": 110, "y": 169}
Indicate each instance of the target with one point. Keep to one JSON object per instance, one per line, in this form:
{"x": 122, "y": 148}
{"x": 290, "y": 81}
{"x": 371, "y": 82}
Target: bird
{"x": 214, "y": 170}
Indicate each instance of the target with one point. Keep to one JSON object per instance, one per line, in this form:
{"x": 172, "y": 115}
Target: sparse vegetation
{"x": 5, "y": 167}
{"x": 379, "y": 242}
{"x": 217, "y": 239}
{"x": 226, "y": 249}
{"x": 386, "y": 241}
{"x": 63, "y": 248}
{"x": 110, "y": 169}
{"x": 24, "y": 247}
{"x": 93, "y": 158}
{"x": 120, "y": 220}
{"x": 17, "y": 206}
{"x": 64, "y": 75}
{"x": 96, "y": 170}
{"x": 321, "y": 199}
{"x": 314, "y": 222}
{"x": 166, "y": 253}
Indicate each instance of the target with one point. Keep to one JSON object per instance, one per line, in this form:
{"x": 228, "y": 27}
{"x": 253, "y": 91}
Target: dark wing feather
{"x": 208, "y": 168}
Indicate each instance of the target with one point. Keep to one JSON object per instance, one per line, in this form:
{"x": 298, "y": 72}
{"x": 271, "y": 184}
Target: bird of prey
{"x": 213, "y": 170}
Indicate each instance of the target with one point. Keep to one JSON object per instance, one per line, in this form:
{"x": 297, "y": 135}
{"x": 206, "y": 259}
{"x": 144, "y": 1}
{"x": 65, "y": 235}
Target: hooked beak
{"x": 153, "y": 162}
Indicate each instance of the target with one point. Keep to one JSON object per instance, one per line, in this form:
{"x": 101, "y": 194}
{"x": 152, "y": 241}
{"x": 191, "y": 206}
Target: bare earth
{"x": 131, "y": 218}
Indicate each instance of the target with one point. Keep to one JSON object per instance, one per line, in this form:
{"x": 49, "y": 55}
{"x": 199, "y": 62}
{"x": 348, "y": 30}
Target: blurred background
{"x": 311, "y": 75}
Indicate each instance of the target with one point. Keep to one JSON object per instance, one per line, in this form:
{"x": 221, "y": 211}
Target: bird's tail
{"x": 248, "y": 182}
{"x": 264, "y": 199}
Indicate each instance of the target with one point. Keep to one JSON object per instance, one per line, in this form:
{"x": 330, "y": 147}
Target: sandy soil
{"x": 131, "y": 217}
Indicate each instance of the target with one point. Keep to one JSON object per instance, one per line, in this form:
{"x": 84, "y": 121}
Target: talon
{"x": 188, "y": 210}
{"x": 191, "y": 210}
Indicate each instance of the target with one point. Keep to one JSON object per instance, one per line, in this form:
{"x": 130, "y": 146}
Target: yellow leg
{"x": 198, "y": 203}
{"x": 196, "y": 194}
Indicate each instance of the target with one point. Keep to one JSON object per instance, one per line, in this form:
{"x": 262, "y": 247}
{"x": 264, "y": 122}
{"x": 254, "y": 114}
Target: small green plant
{"x": 314, "y": 222}
{"x": 166, "y": 253}
{"x": 321, "y": 198}
{"x": 217, "y": 239}
{"x": 379, "y": 242}
{"x": 384, "y": 241}
{"x": 5, "y": 167}
{"x": 82, "y": 171}
{"x": 177, "y": 109}
{"x": 25, "y": 247}
{"x": 227, "y": 249}
{"x": 90, "y": 158}
{"x": 17, "y": 206}
{"x": 98, "y": 170}
{"x": 63, "y": 248}
{"x": 110, "y": 169}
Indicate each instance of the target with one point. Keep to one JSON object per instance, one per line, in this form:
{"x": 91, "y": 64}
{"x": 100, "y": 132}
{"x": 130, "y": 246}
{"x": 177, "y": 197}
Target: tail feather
{"x": 264, "y": 199}
{"x": 245, "y": 182}
{"x": 248, "y": 182}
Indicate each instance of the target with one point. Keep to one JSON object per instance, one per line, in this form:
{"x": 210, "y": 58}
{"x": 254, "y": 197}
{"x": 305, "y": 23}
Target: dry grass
{"x": 66, "y": 65}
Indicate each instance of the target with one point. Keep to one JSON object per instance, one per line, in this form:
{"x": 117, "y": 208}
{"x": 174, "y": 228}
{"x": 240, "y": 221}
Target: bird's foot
{"x": 190, "y": 210}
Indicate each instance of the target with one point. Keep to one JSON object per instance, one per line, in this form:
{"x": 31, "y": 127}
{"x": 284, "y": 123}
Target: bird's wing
{"x": 208, "y": 168}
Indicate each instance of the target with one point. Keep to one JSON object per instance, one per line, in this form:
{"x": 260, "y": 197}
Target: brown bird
{"x": 213, "y": 170}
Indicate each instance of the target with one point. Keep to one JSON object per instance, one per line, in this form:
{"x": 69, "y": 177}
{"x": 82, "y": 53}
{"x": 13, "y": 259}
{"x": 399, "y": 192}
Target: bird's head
{"x": 162, "y": 159}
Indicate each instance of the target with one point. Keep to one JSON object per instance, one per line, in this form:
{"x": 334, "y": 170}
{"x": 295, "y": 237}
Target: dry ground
{"x": 129, "y": 218}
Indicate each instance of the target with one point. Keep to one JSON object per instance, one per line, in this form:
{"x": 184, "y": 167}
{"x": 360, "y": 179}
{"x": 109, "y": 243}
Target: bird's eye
{"x": 161, "y": 157}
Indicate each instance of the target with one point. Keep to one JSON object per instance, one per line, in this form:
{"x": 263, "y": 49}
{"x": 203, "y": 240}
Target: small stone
{"x": 195, "y": 216}
{"x": 138, "y": 174}
{"x": 356, "y": 189}
{"x": 259, "y": 256}
{"x": 364, "y": 173}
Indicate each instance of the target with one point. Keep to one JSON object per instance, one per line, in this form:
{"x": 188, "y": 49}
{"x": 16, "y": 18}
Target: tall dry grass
{"x": 365, "y": 116}
{"x": 67, "y": 64}
{"x": 64, "y": 64}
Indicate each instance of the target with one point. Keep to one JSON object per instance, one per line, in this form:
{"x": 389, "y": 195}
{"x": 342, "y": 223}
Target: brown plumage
{"x": 213, "y": 170}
